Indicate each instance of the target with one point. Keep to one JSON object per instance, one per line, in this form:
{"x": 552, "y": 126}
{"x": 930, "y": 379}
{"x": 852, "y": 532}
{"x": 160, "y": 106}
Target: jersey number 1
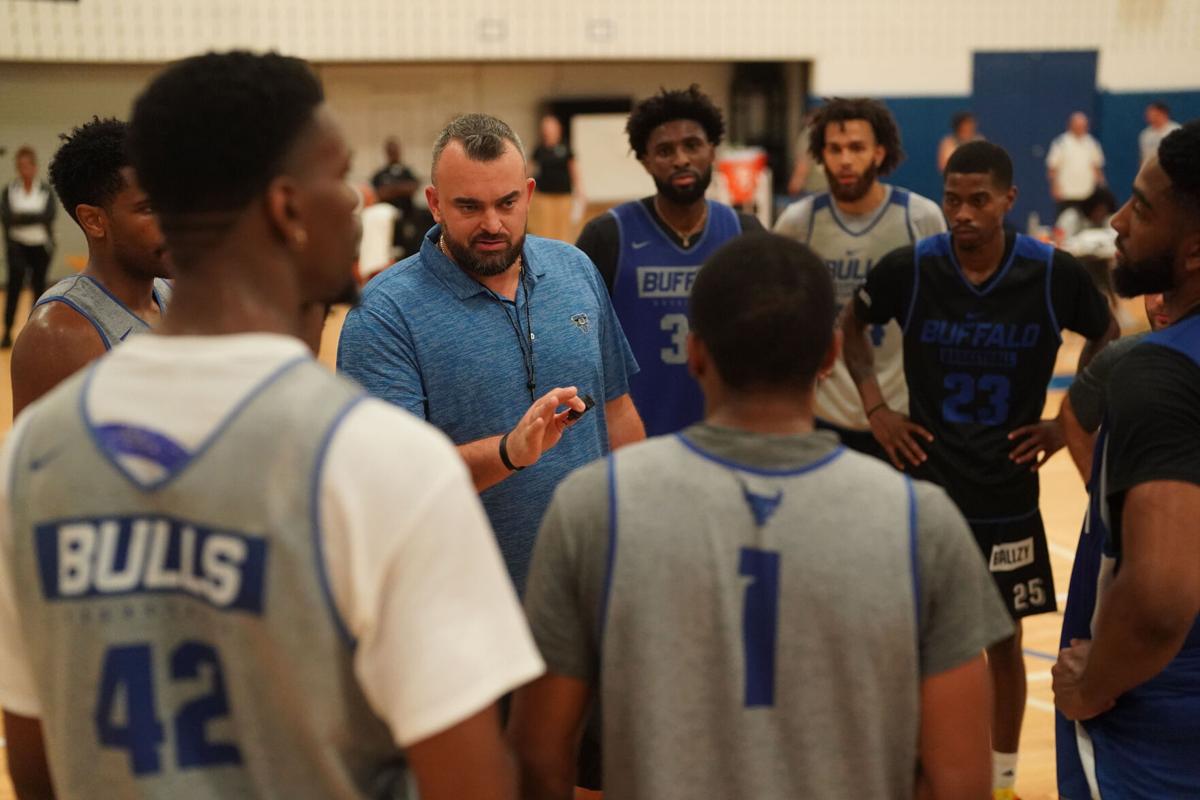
{"x": 760, "y": 623}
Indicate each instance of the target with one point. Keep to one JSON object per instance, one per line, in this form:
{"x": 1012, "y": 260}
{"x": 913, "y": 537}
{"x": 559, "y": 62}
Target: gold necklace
{"x": 685, "y": 237}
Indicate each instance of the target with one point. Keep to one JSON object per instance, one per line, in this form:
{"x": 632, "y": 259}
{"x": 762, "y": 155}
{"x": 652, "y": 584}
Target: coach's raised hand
{"x": 494, "y": 458}
{"x": 542, "y": 426}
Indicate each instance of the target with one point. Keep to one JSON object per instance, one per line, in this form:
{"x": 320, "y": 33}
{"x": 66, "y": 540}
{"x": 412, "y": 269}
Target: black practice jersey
{"x": 978, "y": 358}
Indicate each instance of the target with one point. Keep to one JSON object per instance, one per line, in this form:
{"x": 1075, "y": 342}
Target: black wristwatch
{"x": 504, "y": 455}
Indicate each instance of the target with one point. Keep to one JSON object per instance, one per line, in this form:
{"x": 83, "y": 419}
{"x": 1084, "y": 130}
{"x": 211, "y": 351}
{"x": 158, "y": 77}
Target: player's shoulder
{"x": 57, "y": 332}
{"x": 376, "y": 435}
{"x": 919, "y": 204}
{"x": 800, "y": 210}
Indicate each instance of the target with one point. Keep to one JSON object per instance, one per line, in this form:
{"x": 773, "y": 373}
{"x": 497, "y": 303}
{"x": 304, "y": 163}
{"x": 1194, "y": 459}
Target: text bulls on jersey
{"x": 105, "y": 557}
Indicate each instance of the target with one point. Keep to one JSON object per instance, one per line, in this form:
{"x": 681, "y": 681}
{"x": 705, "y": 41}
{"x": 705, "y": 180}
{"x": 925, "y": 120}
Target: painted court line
{"x": 1040, "y": 705}
{"x": 1062, "y": 551}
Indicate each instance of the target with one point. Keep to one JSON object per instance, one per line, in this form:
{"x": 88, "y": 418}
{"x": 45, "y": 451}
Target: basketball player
{"x": 225, "y": 572}
{"x": 1134, "y": 687}
{"x": 852, "y": 226}
{"x": 121, "y": 291}
{"x": 1083, "y": 408}
{"x": 981, "y": 312}
{"x": 684, "y": 583}
{"x": 649, "y": 250}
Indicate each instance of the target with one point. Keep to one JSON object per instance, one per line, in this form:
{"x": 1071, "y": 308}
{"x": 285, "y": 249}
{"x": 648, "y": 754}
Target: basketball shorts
{"x": 1017, "y": 556}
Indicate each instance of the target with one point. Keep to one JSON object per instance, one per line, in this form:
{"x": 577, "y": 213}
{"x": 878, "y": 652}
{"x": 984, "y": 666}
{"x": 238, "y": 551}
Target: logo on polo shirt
{"x": 581, "y": 321}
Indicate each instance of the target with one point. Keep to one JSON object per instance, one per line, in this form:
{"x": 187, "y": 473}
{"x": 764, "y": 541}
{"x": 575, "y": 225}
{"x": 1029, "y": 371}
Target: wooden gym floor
{"x": 1063, "y": 503}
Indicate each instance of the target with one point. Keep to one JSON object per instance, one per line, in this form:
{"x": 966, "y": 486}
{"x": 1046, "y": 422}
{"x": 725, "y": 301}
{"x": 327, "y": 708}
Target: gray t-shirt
{"x": 669, "y": 627}
{"x": 1090, "y": 387}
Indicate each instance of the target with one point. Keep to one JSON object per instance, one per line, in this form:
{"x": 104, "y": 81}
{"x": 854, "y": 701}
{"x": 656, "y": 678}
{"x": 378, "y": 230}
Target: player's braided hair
{"x": 874, "y": 113}
{"x": 87, "y": 167}
{"x": 669, "y": 105}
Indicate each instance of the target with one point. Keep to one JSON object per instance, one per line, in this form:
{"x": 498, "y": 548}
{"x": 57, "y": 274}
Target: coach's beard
{"x": 484, "y": 265}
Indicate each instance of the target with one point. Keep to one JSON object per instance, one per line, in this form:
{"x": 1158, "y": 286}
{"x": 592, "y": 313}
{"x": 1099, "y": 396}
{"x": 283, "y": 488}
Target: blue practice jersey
{"x": 650, "y": 295}
{"x": 1148, "y": 745}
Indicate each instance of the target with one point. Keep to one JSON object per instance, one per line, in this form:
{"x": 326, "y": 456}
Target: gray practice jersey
{"x": 111, "y": 318}
{"x": 758, "y": 613}
{"x": 851, "y": 246}
{"x": 180, "y": 633}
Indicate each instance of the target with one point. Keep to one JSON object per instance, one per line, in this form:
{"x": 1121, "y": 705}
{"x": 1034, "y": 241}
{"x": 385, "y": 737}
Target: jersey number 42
{"x": 127, "y": 716}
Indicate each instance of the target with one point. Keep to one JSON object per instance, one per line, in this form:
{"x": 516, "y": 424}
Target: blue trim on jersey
{"x": 610, "y": 561}
{"x": 812, "y": 216}
{"x": 113, "y": 297}
{"x": 908, "y": 226}
{"x": 914, "y": 560}
{"x": 990, "y": 283}
{"x": 996, "y": 520}
{"x": 819, "y": 203}
{"x": 1181, "y": 337}
{"x": 1049, "y": 297}
{"x": 82, "y": 313}
{"x": 640, "y": 208}
{"x": 725, "y": 462}
{"x": 883, "y": 209}
{"x": 130, "y": 440}
{"x": 208, "y": 442}
{"x": 916, "y": 290}
{"x": 314, "y": 496}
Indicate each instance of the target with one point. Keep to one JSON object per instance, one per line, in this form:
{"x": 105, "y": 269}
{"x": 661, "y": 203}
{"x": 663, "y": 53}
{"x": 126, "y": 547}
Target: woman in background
{"x": 27, "y": 207}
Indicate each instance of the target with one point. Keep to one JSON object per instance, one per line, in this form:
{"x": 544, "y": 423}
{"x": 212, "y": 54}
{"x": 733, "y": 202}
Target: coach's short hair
{"x": 211, "y": 132}
{"x": 669, "y": 105}
{"x": 763, "y": 306}
{"x": 842, "y": 110}
{"x": 976, "y": 157}
{"x": 1179, "y": 157}
{"x": 483, "y": 138}
{"x": 87, "y": 167}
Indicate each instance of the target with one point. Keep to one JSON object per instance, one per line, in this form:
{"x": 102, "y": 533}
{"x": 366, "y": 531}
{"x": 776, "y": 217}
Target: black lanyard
{"x": 515, "y": 322}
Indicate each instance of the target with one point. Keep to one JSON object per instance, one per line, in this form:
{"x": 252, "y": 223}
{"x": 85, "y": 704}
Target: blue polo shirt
{"x": 429, "y": 338}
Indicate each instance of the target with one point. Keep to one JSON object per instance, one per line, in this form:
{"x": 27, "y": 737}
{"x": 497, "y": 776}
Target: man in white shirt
{"x": 1158, "y": 125}
{"x": 1074, "y": 165}
{"x": 224, "y": 571}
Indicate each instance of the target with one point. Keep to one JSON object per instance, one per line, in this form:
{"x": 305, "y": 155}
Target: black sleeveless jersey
{"x": 978, "y": 358}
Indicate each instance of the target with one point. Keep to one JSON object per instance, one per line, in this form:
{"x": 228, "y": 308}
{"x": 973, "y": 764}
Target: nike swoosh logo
{"x": 639, "y": 245}
{"x": 126, "y": 333}
{"x": 42, "y": 460}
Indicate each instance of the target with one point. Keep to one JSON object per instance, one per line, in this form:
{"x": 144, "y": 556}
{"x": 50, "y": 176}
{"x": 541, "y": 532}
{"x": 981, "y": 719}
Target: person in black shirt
{"x": 552, "y": 165}
{"x": 395, "y": 183}
{"x": 1136, "y": 684}
{"x": 981, "y": 312}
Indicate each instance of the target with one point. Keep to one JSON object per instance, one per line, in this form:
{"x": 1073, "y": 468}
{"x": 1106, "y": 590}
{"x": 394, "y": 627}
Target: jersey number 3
{"x": 677, "y": 326}
{"x": 961, "y": 406}
{"x": 128, "y": 675}
{"x": 760, "y": 623}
